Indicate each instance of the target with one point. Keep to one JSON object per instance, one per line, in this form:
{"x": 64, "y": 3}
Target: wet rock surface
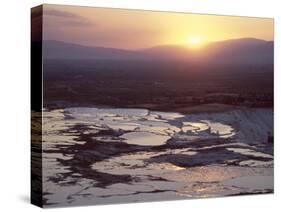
{"x": 105, "y": 155}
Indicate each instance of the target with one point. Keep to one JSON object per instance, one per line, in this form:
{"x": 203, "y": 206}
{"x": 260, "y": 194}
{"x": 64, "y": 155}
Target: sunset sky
{"x": 134, "y": 29}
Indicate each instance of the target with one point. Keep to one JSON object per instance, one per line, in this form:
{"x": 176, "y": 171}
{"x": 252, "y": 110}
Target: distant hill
{"x": 249, "y": 51}
{"x": 61, "y": 50}
{"x": 241, "y": 51}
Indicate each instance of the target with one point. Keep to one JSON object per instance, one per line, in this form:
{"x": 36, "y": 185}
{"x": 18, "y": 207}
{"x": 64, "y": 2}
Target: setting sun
{"x": 194, "y": 42}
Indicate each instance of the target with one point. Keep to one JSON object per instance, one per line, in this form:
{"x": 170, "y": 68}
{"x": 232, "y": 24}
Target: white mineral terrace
{"x": 173, "y": 156}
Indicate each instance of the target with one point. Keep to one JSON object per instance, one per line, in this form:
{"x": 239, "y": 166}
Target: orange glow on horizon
{"x": 137, "y": 29}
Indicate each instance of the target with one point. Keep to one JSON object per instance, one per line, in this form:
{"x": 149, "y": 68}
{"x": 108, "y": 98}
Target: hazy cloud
{"x": 68, "y": 18}
{"x": 59, "y": 13}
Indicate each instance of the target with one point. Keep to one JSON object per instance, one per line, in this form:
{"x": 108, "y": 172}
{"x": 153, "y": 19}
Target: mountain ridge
{"x": 243, "y": 50}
